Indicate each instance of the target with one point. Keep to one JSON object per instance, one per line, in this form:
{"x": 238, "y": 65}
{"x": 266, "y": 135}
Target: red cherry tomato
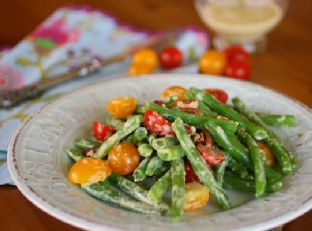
{"x": 170, "y": 57}
{"x": 190, "y": 175}
{"x": 157, "y": 124}
{"x": 219, "y": 94}
{"x": 212, "y": 155}
{"x": 236, "y": 53}
{"x": 102, "y": 131}
{"x": 238, "y": 70}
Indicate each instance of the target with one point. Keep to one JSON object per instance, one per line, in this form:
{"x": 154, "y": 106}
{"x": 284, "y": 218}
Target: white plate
{"x": 38, "y": 164}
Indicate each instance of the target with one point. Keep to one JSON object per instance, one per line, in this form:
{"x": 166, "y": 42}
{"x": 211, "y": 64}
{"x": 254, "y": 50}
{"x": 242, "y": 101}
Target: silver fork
{"x": 14, "y": 97}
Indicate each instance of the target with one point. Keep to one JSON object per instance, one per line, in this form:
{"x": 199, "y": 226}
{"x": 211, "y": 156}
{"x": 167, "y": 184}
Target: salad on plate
{"x": 171, "y": 155}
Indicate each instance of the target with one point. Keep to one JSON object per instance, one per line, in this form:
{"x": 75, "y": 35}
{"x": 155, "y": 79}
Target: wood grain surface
{"x": 286, "y": 66}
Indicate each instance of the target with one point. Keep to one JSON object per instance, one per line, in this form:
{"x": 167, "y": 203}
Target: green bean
{"x": 283, "y": 156}
{"x": 206, "y": 110}
{"x": 220, "y": 168}
{"x": 161, "y": 171}
{"x": 170, "y": 153}
{"x": 229, "y": 143}
{"x": 272, "y": 175}
{"x": 87, "y": 143}
{"x": 160, "y": 187}
{"x": 145, "y": 149}
{"x": 234, "y": 182}
{"x": 131, "y": 124}
{"x": 257, "y": 132}
{"x": 139, "y": 173}
{"x": 113, "y": 122}
{"x": 277, "y": 120}
{"x": 238, "y": 168}
{"x": 140, "y": 134}
{"x": 178, "y": 188}
{"x": 134, "y": 190}
{"x": 203, "y": 172}
{"x": 106, "y": 192}
{"x": 256, "y": 157}
{"x": 74, "y": 154}
{"x": 153, "y": 165}
{"x": 162, "y": 142}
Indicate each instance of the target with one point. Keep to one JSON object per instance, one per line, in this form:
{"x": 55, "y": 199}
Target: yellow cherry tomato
{"x": 196, "y": 196}
{"x": 123, "y": 158}
{"x": 212, "y": 62}
{"x": 146, "y": 56}
{"x": 137, "y": 69}
{"x": 177, "y": 91}
{"x": 122, "y": 107}
{"x": 266, "y": 151}
{"x": 89, "y": 170}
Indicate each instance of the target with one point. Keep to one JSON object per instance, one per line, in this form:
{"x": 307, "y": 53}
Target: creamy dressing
{"x": 241, "y": 23}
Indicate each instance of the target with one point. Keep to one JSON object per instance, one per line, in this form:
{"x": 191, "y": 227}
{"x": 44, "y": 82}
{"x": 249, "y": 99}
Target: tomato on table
{"x": 102, "y": 131}
{"x": 123, "y": 158}
{"x": 157, "y": 124}
{"x": 145, "y": 56}
{"x": 171, "y": 91}
{"x": 137, "y": 69}
{"x": 219, "y": 94}
{"x": 196, "y": 196}
{"x": 89, "y": 170}
{"x": 170, "y": 57}
{"x": 238, "y": 70}
{"x": 212, "y": 62}
{"x": 122, "y": 107}
{"x": 212, "y": 155}
{"x": 236, "y": 53}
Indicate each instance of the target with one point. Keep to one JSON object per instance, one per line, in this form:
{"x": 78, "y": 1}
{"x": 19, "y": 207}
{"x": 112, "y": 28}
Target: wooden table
{"x": 286, "y": 66}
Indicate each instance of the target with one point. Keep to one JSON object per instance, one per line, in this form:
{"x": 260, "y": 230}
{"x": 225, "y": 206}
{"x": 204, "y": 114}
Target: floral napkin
{"x": 70, "y": 37}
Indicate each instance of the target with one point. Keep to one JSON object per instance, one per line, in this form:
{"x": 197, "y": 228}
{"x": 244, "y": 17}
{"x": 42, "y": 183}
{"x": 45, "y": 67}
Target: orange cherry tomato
{"x": 89, "y": 170}
{"x": 177, "y": 91}
{"x": 137, "y": 69}
{"x": 123, "y": 158}
{"x": 196, "y": 196}
{"x": 212, "y": 62}
{"x": 266, "y": 151}
{"x": 145, "y": 56}
{"x": 122, "y": 107}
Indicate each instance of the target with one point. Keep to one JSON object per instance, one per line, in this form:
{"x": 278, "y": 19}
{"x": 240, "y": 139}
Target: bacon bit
{"x": 160, "y": 103}
{"x": 191, "y": 130}
{"x": 194, "y": 111}
{"x": 89, "y": 151}
{"x": 187, "y": 104}
{"x": 203, "y": 138}
{"x": 220, "y": 117}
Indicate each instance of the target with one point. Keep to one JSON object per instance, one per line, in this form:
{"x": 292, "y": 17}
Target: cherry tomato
{"x": 137, "y": 69}
{"x": 123, "y": 158}
{"x": 190, "y": 175}
{"x": 89, "y": 170}
{"x": 212, "y": 155}
{"x": 196, "y": 196}
{"x": 236, "y": 53}
{"x": 177, "y": 91}
{"x": 122, "y": 107}
{"x": 157, "y": 124}
{"x": 102, "y": 131}
{"x": 170, "y": 57}
{"x": 266, "y": 151}
{"x": 219, "y": 94}
{"x": 145, "y": 56}
{"x": 212, "y": 62}
{"x": 238, "y": 70}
